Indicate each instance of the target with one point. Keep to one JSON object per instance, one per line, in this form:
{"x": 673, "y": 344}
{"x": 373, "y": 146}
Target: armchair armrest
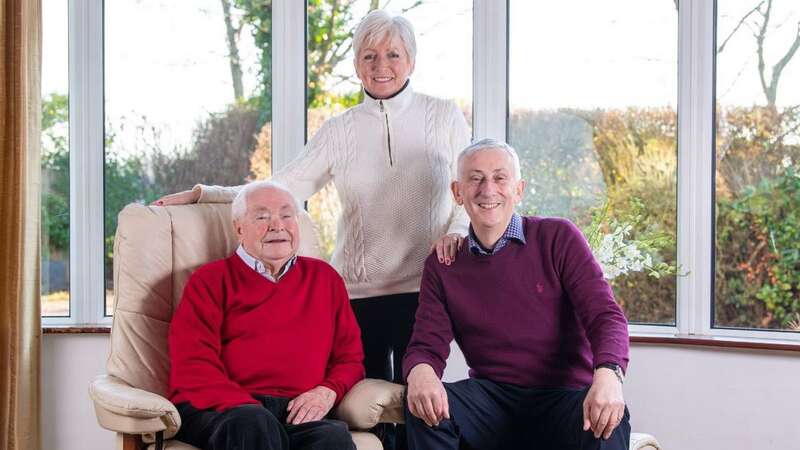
{"x": 371, "y": 402}
{"x": 643, "y": 441}
{"x": 125, "y": 409}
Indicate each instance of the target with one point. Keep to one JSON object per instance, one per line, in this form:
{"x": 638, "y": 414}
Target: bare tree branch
{"x": 762, "y": 32}
{"x": 781, "y": 64}
{"x": 232, "y": 34}
{"x": 414, "y": 5}
{"x": 738, "y": 25}
{"x": 771, "y": 89}
{"x": 325, "y": 48}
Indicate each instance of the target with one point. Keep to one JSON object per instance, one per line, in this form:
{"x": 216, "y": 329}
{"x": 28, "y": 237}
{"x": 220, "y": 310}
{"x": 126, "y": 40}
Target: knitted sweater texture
{"x": 537, "y": 315}
{"x": 235, "y": 333}
{"x": 392, "y": 162}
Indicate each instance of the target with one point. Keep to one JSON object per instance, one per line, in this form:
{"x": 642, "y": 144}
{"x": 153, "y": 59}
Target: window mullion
{"x": 288, "y": 81}
{"x": 695, "y": 166}
{"x": 86, "y": 138}
{"x": 490, "y": 68}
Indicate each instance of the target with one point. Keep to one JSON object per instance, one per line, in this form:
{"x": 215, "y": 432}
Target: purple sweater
{"x": 534, "y": 315}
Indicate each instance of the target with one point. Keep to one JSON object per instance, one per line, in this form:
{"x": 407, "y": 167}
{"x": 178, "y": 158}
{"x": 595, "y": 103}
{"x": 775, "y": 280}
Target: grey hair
{"x": 239, "y": 205}
{"x": 379, "y": 25}
{"x": 490, "y": 144}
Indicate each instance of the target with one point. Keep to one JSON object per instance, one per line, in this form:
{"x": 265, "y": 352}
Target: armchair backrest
{"x": 156, "y": 249}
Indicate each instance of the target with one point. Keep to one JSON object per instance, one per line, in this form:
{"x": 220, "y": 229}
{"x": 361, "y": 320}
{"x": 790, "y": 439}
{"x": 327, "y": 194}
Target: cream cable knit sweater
{"x": 392, "y": 162}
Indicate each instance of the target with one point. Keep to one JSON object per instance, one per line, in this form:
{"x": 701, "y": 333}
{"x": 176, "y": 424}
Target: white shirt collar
{"x": 260, "y": 268}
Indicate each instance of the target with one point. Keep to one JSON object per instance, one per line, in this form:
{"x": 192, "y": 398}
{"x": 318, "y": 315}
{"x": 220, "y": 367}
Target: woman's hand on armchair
{"x": 179, "y": 198}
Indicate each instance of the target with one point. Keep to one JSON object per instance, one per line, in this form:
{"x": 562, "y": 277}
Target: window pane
{"x": 442, "y": 69}
{"x": 55, "y": 160}
{"x": 187, "y": 101}
{"x": 757, "y": 155}
{"x": 593, "y": 115}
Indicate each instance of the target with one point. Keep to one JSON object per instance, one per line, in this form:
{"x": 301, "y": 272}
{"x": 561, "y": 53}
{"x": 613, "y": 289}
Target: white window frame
{"x": 86, "y": 161}
{"x": 696, "y": 41}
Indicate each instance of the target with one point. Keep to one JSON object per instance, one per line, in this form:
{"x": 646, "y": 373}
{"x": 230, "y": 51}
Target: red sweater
{"x": 235, "y": 333}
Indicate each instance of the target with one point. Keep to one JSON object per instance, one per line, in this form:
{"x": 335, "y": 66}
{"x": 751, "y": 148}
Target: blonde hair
{"x": 378, "y": 25}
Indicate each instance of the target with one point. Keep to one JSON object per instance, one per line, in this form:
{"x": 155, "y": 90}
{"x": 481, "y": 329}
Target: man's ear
{"x": 237, "y": 226}
{"x": 520, "y": 190}
{"x": 456, "y": 193}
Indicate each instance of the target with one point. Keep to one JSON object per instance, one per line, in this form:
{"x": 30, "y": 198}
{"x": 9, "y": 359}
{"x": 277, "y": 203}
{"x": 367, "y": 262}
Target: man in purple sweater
{"x": 538, "y": 325}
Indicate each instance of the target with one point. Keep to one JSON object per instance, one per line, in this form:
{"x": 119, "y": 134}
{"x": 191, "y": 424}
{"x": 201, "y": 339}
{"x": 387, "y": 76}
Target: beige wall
{"x": 703, "y": 398}
{"x": 688, "y": 397}
{"x": 69, "y": 363}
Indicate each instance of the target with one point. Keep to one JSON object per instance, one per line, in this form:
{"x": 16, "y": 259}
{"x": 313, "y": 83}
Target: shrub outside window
{"x": 594, "y": 122}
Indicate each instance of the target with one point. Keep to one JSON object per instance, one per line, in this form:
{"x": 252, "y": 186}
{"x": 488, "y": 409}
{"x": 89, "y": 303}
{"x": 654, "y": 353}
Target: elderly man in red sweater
{"x": 264, "y": 343}
{"x": 527, "y": 303}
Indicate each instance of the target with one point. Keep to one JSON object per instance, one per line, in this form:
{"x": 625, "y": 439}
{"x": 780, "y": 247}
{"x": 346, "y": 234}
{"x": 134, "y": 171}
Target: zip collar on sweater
{"x": 391, "y": 105}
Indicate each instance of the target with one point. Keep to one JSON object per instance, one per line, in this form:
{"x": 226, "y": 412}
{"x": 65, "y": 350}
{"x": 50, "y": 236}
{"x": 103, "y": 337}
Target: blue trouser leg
{"x": 481, "y": 417}
{"x": 560, "y": 422}
{"x": 490, "y": 416}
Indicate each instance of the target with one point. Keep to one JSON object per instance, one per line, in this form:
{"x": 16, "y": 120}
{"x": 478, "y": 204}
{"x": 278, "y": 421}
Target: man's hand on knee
{"x": 427, "y": 398}
{"x": 311, "y": 405}
{"x": 604, "y": 406}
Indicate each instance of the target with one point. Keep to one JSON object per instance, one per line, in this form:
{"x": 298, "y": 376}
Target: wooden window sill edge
{"x": 76, "y": 329}
{"x": 716, "y": 342}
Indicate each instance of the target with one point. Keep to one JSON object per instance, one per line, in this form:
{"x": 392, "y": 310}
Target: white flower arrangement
{"x": 619, "y": 254}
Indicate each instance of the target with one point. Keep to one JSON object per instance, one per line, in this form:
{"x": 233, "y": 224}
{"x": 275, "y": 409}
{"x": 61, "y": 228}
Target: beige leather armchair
{"x": 155, "y": 251}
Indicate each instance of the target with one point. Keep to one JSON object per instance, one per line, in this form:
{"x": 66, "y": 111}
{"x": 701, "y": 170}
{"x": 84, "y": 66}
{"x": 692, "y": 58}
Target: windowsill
{"x": 72, "y": 329}
{"x": 716, "y": 342}
{"x": 662, "y": 339}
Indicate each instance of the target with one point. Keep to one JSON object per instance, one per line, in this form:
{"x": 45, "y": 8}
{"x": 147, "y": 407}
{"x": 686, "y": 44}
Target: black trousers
{"x": 491, "y": 416}
{"x": 386, "y": 324}
{"x": 259, "y": 427}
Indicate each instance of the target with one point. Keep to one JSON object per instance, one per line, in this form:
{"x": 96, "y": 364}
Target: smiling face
{"x": 384, "y": 68}
{"x": 489, "y": 191}
{"x": 268, "y": 231}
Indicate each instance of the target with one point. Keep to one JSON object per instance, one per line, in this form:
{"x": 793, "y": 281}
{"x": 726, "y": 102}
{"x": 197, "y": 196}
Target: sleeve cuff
{"x": 612, "y": 359}
{"x": 199, "y": 189}
{"x": 216, "y": 194}
{"x": 336, "y": 389}
{"x": 415, "y": 360}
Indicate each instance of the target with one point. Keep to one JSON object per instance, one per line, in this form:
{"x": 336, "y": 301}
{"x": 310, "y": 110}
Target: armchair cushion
{"x": 370, "y": 402}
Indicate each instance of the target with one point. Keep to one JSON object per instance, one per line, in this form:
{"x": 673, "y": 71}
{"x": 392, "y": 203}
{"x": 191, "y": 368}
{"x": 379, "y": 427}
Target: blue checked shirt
{"x": 259, "y": 267}
{"x": 513, "y": 232}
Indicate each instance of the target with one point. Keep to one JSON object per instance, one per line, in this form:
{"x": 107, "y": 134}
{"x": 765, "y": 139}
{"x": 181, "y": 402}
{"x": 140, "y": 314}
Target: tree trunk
{"x": 232, "y": 34}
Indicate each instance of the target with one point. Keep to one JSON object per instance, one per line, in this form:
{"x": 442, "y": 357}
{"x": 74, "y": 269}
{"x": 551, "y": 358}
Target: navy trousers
{"x": 485, "y": 415}
{"x": 259, "y": 427}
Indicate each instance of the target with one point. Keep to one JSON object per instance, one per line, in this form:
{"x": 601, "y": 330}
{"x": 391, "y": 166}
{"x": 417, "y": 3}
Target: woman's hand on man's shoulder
{"x": 447, "y": 246}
